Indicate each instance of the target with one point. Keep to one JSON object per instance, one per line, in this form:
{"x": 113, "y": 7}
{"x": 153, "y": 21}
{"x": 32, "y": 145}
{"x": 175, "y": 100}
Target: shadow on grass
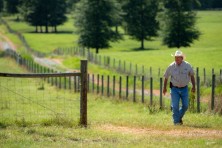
{"x": 139, "y": 49}
{"x": 197, "y": 126}
{"x": 58, "y": 32}
{"x": 3, "y": 125}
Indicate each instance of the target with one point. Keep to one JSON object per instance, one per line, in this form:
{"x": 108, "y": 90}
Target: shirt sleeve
{"x": 191, "y": 73}
{"x": 167, "y": 73}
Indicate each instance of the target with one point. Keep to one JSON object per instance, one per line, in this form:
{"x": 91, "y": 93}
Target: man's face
{"x": 178, "y": 60}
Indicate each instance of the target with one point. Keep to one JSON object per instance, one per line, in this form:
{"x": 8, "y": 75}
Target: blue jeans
{"x": 176, "y": 95}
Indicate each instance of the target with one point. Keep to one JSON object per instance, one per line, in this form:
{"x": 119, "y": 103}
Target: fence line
{"x": 23, "y": 40}
{"x": 128, "y": 68}
{"x": 57, "y": 79}
{"x": 130, "y": 87}
{"x": 121, "y": 66}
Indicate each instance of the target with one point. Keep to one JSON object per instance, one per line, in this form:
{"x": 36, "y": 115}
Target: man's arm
{"x": 164, "y": 86}
{"x": 193, "y": 84}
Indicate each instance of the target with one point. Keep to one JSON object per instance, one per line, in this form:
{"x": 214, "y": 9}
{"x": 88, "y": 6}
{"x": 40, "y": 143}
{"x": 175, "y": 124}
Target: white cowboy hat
{"x": 178, "y": 53}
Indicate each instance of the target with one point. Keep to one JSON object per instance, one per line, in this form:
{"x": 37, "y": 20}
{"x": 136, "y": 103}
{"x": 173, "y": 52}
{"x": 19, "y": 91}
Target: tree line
{"x": 95, "y": 20}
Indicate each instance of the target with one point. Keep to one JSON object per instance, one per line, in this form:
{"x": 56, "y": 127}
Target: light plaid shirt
{"x": 180, "y": 74}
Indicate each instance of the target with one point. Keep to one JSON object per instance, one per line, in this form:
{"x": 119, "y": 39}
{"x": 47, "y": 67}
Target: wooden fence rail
{"x": 55, "y": 78}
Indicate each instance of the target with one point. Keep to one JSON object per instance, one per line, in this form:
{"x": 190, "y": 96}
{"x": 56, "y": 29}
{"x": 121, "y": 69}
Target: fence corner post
{"x": 83, "y": 96}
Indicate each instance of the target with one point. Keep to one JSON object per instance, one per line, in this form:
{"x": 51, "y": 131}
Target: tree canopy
{"x": 179, "y": 23}
{"x": 11, "y": 6}
{"x": 94, "y": 20}
{"x": 42, "y": 13}
{"x": 1, "y": 5}
{"x": 140, "y": 17}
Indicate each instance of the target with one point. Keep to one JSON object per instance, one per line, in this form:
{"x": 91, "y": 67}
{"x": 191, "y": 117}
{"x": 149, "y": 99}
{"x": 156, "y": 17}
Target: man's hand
{"x": 193, "y": 84}
{"x": 193, "y": 90}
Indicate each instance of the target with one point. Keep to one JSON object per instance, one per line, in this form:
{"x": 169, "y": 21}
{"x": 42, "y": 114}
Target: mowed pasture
{"x": 111, "y": 123}
{"x": 204, "y": 53}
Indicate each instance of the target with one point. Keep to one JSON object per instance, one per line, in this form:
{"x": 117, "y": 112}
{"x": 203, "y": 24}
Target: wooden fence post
{"x": 114, "y": 84}
{"x": 83, "y": 99}
{"x": 108, "y": 86}
{"x": 213, "y": 91}
{"x": 151, "y": 91}
{"x": 134, "y": 89}
{"x": 97, "y": 83}
{"x": 75, "y": 86}
{"x": 93, "y": 83}
{"x": 161, "y": 90}
{"x": 197, "y": 72}
{"x": 120, "y": 87}
{"x": 198, "y": 94}
{"x": 64, "y": 82}
{"x": 127, "y": 87}
{"x": 87, "y": 84}
{"x": 52, "y": 79}
{"x": 70, "y": 83}
{"x": 142, "y": 89}
{"x": 204, "y": 71}
{"x": 102, "y": 84}
{"x": 124, "y": 67}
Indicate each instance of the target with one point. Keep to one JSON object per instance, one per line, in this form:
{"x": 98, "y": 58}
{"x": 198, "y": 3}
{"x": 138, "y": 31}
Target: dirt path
{"x": 5, "y": 43}
{"x": 182, "y": 132}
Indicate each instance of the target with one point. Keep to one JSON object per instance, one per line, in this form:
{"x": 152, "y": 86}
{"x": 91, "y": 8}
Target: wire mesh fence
{"x": 34, "y": 100}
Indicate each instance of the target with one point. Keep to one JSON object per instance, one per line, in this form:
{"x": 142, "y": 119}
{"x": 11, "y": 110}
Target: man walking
{"x": 180, "y": 73}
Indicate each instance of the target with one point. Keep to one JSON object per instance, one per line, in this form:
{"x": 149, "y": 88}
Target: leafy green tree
{"x": 40, "y": 13}
{"x": 57, "y": 13}
{"x": 94, "y": 20}
{"x": 217, "y": 4}
{"x": 118, "y": 15}
{"x": 210, "y": 4}
{"x": 31, "y": 12}
{"x": 140, "y": 17}
{"x": 11, "y": 6}
{"x": 71, "y": 4}
{"x": 1, "y": 5}
{"x": 179, "y": 23}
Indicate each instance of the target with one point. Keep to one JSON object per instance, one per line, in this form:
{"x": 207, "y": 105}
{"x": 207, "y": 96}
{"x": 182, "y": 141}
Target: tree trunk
{"x": 55, "y": 29}
{"x": 36, "y": 29}
{"x": 97, "y": 50}
{"x": 117, "y": 29}
{"x": 46, "y": 29}
{"x": 41, "y": 29}
{"x": 142, "y": 44}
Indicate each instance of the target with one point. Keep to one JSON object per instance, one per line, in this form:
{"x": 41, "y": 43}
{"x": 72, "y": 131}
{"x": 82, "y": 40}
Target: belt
{"x": 180, "y": 87}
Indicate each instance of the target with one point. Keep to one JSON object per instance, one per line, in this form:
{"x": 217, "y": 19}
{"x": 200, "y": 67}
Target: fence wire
{"x": 34, "y": 100}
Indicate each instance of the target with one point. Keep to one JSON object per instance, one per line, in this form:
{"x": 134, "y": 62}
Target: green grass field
{"x": 111, "y": 123}
{"x": 204, "y": 53}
